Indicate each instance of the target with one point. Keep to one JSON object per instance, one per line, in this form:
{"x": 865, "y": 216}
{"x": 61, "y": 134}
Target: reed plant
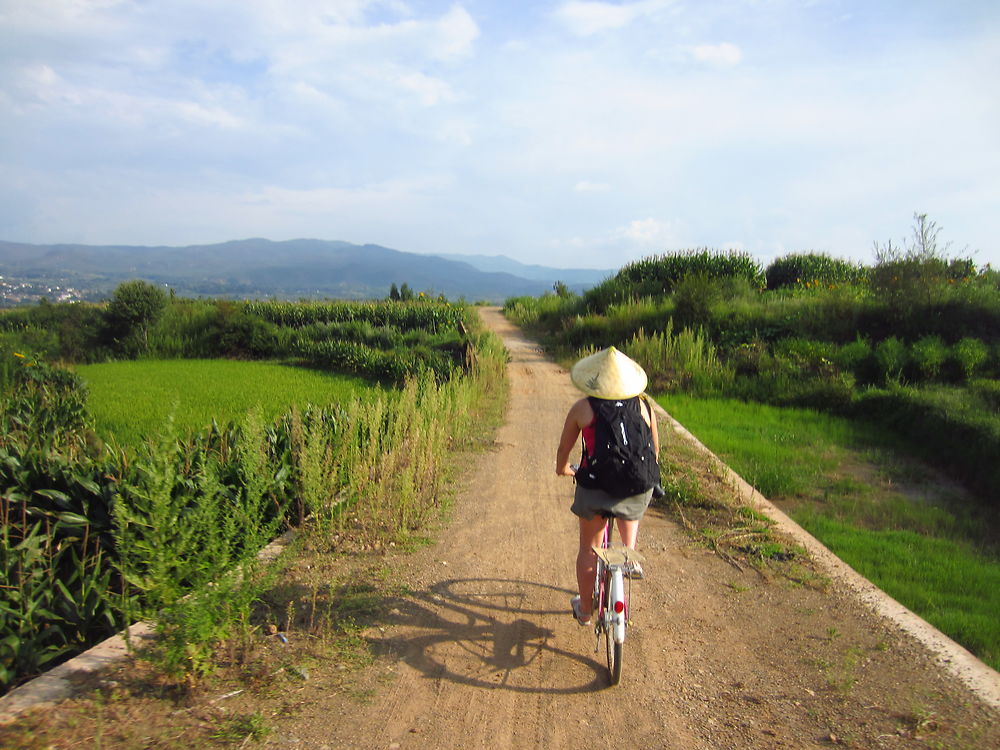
{"x": 685, "y": 361}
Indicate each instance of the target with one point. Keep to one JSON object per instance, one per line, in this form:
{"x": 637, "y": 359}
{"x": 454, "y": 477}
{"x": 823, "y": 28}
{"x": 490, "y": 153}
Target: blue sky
{"x": 566, "y": 133}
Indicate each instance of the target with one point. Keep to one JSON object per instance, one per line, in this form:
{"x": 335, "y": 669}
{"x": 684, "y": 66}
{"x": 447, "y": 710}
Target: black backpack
{"x": 623, "y": 461}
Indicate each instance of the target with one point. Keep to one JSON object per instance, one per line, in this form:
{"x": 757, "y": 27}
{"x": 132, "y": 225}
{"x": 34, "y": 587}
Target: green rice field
{"x": 848, "y": 485}
{"x": 134, "y": 399}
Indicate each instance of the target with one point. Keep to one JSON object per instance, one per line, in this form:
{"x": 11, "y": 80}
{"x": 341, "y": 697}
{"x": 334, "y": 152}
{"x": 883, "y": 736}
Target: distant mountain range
{"x": 290, "y": 270}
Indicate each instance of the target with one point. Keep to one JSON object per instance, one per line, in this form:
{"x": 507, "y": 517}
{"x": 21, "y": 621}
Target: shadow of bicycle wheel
{"x": 489, "y": 632}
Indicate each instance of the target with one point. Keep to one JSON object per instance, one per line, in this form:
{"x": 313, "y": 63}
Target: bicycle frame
{"x": 610, "y": 595}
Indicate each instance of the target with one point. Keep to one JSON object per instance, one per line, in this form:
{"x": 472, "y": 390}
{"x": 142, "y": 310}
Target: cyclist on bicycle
{"x": 608, "y": 375}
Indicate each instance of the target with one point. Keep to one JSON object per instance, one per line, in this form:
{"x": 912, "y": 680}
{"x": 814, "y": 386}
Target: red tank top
{"x": 589, "y": 433}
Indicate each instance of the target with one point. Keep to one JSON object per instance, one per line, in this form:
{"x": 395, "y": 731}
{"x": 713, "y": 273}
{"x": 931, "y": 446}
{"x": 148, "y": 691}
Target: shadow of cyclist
{"x": 464, "y": 634}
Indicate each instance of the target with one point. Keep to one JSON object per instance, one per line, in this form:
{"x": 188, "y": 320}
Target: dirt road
{"x": 485, "y": 654}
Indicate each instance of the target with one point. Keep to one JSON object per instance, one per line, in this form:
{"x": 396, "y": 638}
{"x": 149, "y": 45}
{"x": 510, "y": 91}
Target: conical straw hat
{"x": 609, "y": 374}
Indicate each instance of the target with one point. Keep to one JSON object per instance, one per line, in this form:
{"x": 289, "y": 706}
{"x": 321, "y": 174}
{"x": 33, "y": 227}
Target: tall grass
{"x": 683, "y": 361}
{"x": 389, "y": 456}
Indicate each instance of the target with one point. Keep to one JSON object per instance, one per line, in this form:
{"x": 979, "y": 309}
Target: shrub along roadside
{"x": 193, "y": 506}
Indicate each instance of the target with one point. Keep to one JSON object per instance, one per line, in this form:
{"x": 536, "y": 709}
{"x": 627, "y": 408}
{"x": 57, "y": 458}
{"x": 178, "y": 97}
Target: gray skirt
{"x": 588, "y": 503}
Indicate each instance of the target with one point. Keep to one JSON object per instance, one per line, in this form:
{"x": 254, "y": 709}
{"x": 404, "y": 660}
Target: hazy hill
{"x": 290, "y": 269}
{"x": 503, "y": 264}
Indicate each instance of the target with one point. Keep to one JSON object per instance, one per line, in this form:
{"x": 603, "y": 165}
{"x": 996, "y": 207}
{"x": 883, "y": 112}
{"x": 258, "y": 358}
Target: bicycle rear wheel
{"x": 613, "y": 650}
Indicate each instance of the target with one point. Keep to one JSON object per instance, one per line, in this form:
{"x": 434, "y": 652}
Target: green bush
{"x": 134, "y": 307}
{"x": 808, "y": 355}
{"x": 855, "y": 357}
{"x": 927, "y": 356}
{"x": 969, "y": 355}
{"x": 694, "y": 297}
{"x": 421, "y": 314}
{"x": 658, "y": 276}
{"x": 813, "y": 270}
{"x": 891, "y": 357}
{"x": 65, "y": 331}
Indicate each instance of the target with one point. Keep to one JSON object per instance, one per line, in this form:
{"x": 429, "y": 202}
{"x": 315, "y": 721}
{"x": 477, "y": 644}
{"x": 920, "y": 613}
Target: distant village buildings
{"x": 15, "y": 292}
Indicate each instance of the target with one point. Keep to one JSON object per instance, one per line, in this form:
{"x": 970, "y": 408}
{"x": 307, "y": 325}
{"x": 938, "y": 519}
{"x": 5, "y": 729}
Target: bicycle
{"x": 611, "y": 599}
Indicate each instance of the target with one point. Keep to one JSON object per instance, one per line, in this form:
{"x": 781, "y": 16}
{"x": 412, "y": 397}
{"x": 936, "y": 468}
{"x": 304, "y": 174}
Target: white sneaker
{"x": 575, "y": 604}
{"x": 634, "y": 570}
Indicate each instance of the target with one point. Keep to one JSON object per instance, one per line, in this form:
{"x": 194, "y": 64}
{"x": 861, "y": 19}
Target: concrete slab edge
{"x": 982, "y": 680}
{"x": 61, "y": 682}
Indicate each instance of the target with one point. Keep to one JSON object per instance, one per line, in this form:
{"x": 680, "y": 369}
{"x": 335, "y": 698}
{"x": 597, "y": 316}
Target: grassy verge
{"x": 919, "y": 538}
{"x": 133, "y": 399}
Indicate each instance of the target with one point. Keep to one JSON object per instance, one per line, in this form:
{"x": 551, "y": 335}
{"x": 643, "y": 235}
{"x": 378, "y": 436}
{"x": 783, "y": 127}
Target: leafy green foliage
{"x": 969, "y": 355}
{"x": 685, "y": 361}
{"x": 928, "y": 356}
{"x": 813, "y": 270}
{"x": 69, "y": 332}
{"x": 892, "y": 357}
{"x": 817, "y": 337}
{"x": 428, "y": 316}
{"x": 659, "y": 275}
{"x": 55, "y": 526}
{"x": 134, "y": 307}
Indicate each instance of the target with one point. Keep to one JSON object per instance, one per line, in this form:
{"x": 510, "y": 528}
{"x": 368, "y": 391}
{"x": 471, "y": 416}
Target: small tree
{"x": 394, "y": 292}
{"x": 917, "y": 272}
{"x": 405, "y": 293}
{"x": 135, "y": 306}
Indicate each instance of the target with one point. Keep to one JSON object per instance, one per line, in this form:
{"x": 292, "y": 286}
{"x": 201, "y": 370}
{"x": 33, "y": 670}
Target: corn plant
{"x": 404, "y": 316}
{"x": 657, "y": 276}
{"x": 813, "y": 271}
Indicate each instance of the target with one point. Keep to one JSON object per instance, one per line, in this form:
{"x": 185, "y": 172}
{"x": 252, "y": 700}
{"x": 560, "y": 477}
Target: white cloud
{"x": 722, "y": 54}
{"x": 426, "y": 90}
{"x": 585, "y": 186}
{"x": 647, "y": 233}
{"x": 589, "y": 17}
{"x": 454, "y": 34}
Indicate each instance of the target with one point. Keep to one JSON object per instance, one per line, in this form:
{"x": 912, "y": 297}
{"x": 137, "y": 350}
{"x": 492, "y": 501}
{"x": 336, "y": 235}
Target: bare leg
{"x": 591, "y": 533}
{"x": 629, "y": 532}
